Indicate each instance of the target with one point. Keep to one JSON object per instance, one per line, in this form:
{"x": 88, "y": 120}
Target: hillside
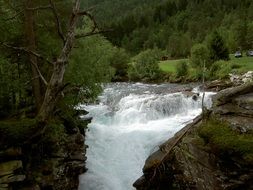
{"x": 176, "y": 26}
{"x": 105, "y": 10}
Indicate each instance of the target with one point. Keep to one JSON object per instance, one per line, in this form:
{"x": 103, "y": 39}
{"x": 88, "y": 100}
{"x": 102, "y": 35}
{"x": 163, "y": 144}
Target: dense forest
{"x": 176, "y": 25}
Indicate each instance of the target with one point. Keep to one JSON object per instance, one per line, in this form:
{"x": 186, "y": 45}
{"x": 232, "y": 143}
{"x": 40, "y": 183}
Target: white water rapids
{"x": 128, "y": 124}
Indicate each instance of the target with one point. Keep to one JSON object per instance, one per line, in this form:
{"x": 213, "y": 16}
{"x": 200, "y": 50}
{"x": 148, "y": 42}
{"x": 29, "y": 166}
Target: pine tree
{"x": 217, "y": 48}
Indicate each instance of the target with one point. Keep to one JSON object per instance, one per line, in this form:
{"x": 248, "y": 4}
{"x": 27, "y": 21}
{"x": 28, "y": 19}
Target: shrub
{"x": 195, "y": 74}
{"x": 199, "y": 55}
{"x": 221, "y": 69}
{"x": 182, "y": 69}
{"x": 217, "y": 48}
{"x": 119, "y": 61}
{"x": 145, "y": 66}
{"x": 132, "y": 73}
{"x": 214, "y": 70}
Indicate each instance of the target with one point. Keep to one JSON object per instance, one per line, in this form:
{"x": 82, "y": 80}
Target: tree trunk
{"x": 31, "y": 45}
{"x": 54, "y": 87}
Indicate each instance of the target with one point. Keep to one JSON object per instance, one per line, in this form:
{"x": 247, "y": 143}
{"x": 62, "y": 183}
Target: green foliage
{"x": 199, "y": 56}
{"x": 195, "y": 74}
{"x": 52, "y": 138}
{"x": 145, "y": 66}
{"x": 249, "y": 36}
{"x": 217, "y": 48}
{"x": 220, "y": 70}
{"x": 175, "y": 25}
{"x": 182, "y": 69}
{"x": 13, "y": 88}
{"x": 226, "y": 141}
{"x": 89, "y": 66}
{"x": 119, "y": 61}
{"x": 15, "y": 70}
{"x": 15, "y": 132}
{"x": 179, "y": 45}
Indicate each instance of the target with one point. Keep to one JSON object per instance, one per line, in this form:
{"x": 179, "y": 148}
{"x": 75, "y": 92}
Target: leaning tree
{"x": 47, "y": 91}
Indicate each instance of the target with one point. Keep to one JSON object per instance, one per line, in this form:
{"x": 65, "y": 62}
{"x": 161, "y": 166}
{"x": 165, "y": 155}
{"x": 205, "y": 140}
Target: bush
{"x": 133, "y": 73}
{"x": 182, "y": 69}
{"x": 220, "y": 70}
{"x": 199, "y": 55}
{"x": 119, "y": 61}
{"x": 145, "y": 66}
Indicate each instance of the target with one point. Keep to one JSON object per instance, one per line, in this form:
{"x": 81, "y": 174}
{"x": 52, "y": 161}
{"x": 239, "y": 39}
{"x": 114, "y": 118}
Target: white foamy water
{"x": 128, "y": 124}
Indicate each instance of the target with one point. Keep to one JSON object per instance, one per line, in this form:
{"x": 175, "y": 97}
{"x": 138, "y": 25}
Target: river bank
{"x": 213, "y": 152}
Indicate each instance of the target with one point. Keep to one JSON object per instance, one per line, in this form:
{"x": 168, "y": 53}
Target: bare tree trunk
{"x": 55, "y": 86}
{"x": 31, "y": 45}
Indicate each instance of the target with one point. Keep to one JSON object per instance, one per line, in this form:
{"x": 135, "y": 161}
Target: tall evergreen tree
{"x": 217, "y": 48}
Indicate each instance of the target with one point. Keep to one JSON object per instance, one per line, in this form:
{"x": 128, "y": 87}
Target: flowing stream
{"x": 128, "y": 124}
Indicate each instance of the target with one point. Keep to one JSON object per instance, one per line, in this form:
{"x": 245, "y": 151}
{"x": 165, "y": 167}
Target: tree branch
{"x": 55, "y": 84}
{"x": 57, "y": 19}
{"x": 39, "y": 8}
{"x": 14, "y": 16}
{"x": 77, "y": 36}
{"x": 27, "y": 51}
{"x": 39, "y": 73}
{"x": 30, "y": 52}
{"x": 87, "y": 14}
{"x": 94, "y": 31}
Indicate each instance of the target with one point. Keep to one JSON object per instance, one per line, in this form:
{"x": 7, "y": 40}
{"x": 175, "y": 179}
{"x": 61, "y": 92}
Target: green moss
{"x": 14, "y": 132}
{"x": 224, "y": 140}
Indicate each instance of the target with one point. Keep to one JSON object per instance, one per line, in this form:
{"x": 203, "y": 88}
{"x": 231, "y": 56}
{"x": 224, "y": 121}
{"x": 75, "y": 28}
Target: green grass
{"x": 244, "y": 63}
{"x": 169, "y": 66}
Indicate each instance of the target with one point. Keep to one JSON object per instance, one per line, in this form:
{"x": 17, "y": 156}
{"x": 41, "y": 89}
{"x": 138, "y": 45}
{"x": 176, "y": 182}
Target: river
{"x": 129, "y": 123}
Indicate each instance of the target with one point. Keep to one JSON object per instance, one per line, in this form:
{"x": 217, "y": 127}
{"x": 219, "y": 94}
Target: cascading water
{"x": 128, "y": 125}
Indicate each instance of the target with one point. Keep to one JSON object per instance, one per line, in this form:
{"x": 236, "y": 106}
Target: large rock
{"x": 11, "y": 178}
{"x": 185, "y": 162}
{"x": 9, "y": 173}
{"x": 7, "y": 168}
{"x": 62, "y": 169}
{"x": 227, "y": 95}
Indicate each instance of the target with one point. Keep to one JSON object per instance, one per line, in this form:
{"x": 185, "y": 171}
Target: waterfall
{"x": 128, "y": 124}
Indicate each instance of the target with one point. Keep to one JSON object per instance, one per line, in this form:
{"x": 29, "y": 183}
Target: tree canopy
{"x": 175, "y": 25}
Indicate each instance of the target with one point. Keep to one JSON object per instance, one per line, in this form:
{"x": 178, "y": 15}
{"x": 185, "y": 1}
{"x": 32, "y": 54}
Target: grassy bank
{"x": 169, "y": 66}
{"x": 243, "y": 64}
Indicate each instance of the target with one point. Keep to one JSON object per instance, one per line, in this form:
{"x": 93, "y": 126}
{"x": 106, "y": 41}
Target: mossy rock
{"x": 223, "y": 140}
{"x": 8, "y": 168}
